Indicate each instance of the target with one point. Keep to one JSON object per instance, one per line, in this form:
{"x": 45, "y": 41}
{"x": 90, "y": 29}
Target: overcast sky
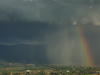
{"x": 43, "y": 31}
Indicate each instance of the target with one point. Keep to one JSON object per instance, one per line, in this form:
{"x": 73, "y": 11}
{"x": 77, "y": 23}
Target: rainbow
{"x": 84, "y": 46}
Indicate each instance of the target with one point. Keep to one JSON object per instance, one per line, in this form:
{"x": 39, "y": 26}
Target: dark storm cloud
{"x": 59, "y": 12}
{"x": 23, "y": 53}
{"x": 33, "y": 33}
{"x": 43, "y": 30}
{"x": 36, "y": 42}
{"x": 24, "y": 41}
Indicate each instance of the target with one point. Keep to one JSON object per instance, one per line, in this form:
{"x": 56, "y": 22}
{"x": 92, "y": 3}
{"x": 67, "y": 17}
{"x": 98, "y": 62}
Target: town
{"x": 47, "y": 69}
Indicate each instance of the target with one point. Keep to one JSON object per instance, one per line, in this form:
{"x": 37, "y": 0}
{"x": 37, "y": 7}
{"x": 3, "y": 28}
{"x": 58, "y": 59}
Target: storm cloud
{"x": 59, "y": 12}
{"x": 43, "y": 31}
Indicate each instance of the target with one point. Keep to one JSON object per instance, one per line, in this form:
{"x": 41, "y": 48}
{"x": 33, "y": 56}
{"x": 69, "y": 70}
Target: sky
{"x": 43, "y": 31}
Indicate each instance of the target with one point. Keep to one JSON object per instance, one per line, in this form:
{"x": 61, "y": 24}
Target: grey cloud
{"x": 12, "y": 41}
{"x": 25, "y": 42}
{"x": 60, "y": 45}
{"x": 19, "y": 28}
{"x": 59, "y": 12}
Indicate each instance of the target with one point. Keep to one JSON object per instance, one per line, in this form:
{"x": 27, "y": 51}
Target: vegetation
{"x": 31, "y": 69}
